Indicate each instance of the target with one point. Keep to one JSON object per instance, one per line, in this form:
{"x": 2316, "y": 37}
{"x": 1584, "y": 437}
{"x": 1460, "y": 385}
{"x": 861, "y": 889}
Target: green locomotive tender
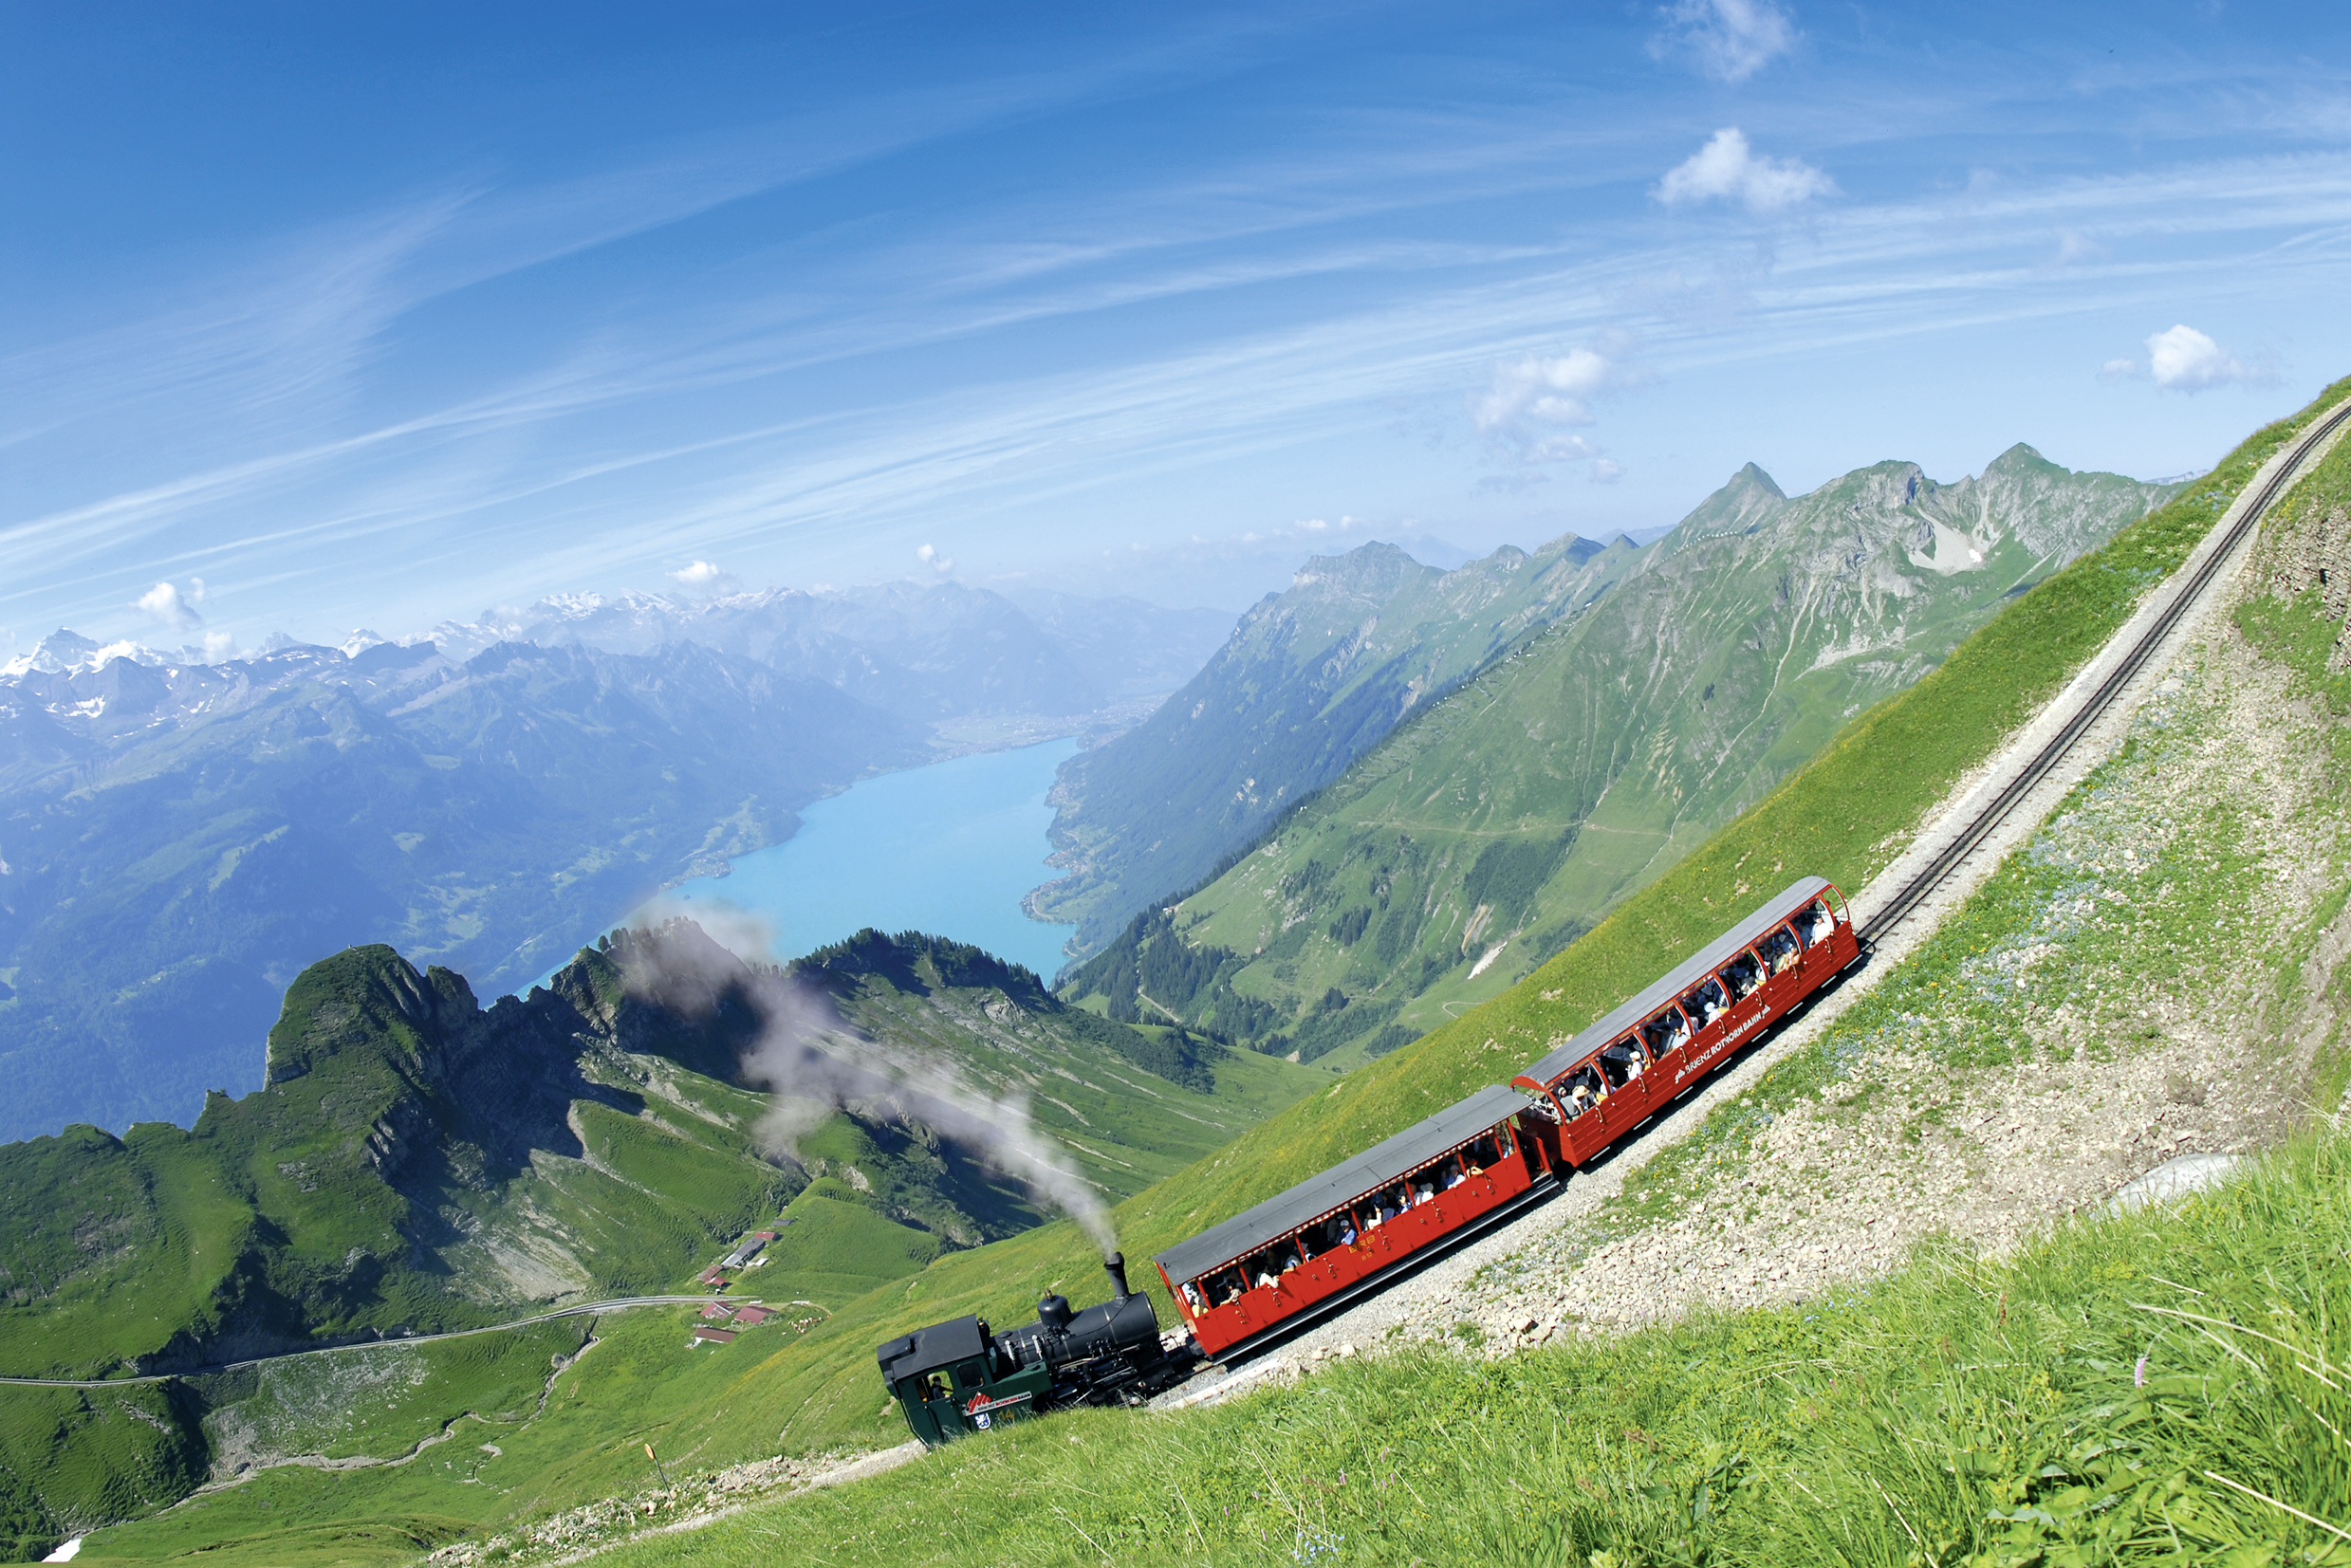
{"x": 956, "y": 1377}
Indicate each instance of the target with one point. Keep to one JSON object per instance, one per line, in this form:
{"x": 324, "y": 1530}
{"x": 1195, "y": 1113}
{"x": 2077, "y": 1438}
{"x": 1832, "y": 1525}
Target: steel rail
{"x": 1900, "y": 906}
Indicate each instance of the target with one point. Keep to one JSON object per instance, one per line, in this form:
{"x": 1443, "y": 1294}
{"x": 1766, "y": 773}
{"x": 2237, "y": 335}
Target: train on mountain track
{"x": 1334, "y": 1238}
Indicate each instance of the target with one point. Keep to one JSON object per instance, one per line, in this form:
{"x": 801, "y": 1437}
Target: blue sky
{"x": 375, "y": 316}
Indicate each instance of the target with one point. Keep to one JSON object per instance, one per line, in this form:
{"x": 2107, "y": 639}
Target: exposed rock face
{"x": 2313, "y": 551}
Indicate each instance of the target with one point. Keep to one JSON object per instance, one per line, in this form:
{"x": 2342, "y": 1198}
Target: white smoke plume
{"x": 813, "y": 1062}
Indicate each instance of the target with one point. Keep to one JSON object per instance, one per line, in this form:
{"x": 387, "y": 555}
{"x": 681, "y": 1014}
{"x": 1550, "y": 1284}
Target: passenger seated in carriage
{"x": 1584, "y": 1089}
{"x": 1708, "y": 1003}
{"x": 1192, "y": 1296}
{"x": 1621, "y": 1064}
{"x": 1815, "y": 924}
{"x": 1665, "y": 1031}
{"x": 1743, "y": 975}
{"x": 1230, "y": 1283}
{"x": 1266, "y": 1274}
{"x": 1779, "y": 949}
{"x": 1453, "y": 1177}
{"x": 1346, "y": 1230}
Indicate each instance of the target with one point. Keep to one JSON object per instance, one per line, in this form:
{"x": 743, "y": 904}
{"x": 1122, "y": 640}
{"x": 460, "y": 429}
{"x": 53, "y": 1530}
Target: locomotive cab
{"x": 953, "y": 1379}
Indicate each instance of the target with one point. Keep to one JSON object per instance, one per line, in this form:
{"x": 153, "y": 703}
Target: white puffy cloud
{"x": 2184, "y": 359}
{"x": 1731, "y": 39}
{"x": 929, "y": 556}
{"x": 701, "y": 574}
{"x": 165, "y": 602}
{"x": 1727, "y": 168}
{"x": 1607, "y": 471}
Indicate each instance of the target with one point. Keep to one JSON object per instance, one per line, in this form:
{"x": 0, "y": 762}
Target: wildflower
{"x": 2138, "y": 1373}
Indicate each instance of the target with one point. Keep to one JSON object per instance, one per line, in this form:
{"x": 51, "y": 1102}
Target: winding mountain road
{"x": 619, "y": 1303}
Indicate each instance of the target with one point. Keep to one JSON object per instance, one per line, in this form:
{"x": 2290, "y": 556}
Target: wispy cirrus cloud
{"x": 1727, "y": 40}
{"x": 616, "y": 457}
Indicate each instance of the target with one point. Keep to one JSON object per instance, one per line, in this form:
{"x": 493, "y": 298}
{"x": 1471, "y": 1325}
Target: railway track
{"x": 2187, "y": 592}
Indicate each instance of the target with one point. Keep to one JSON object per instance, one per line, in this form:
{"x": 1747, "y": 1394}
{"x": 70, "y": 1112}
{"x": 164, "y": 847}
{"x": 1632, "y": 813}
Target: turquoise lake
{"x": 950, "y": 849}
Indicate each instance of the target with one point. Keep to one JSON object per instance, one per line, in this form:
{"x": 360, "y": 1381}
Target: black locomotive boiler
{"x": 956, "y": 1377}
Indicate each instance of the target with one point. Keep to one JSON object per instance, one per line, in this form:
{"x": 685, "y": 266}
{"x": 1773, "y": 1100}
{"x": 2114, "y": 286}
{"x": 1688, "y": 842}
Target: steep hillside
{"x": 1307, "y": 682}
{"x": 181, "y": 839}
{"x": 1502, "y": 822}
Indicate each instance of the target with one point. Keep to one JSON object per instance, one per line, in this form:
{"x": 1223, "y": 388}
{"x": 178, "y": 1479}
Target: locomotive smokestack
{"x": 1115, "y": 1265}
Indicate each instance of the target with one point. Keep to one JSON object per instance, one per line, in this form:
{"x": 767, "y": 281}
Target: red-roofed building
{"x": 715, "y": 1336}
{"x": 715, "y": 1310}
{"x": 751, "y": 1316}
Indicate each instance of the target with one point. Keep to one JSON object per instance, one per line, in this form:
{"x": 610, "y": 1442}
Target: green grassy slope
{"x": 1497, "y": 825}
{"x": 1959, "y": 1412}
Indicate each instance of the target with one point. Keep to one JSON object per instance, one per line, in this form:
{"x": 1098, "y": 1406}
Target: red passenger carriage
{"x": 1351, "y": 1230}
{"x": 1636, "y": 1060}
{"x": 1346, "y": 1232}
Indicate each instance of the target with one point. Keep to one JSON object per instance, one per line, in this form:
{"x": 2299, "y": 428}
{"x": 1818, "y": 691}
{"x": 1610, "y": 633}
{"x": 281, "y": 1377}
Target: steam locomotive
{"x": 956, "y": 1377}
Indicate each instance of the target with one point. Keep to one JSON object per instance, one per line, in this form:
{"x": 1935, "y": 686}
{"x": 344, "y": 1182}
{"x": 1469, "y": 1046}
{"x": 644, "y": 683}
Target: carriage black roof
{"x": 1374, "y": 1168}
{"x": 1679, "y": 979}
{"x": 941, "y": 1344}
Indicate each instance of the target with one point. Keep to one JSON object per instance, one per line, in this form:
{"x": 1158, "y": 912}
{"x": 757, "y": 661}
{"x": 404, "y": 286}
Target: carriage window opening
{"x": 970, "y": 1375}
{"x": 934, "y": 1385}
{"x": 1743, "y": 974}
{"x": 1708, "y": 1003}
{"x": 1453, "y": 1174}
{"x": 1665, "y": 1032}
{"x": 1815, "y": 924}
{"x": 1503, "y": 1142}
{"x": 1582, "y": 1089}
{"x": 1779, "y": 949}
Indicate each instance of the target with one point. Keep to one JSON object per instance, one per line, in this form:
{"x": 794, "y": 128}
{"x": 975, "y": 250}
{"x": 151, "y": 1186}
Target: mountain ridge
{"x": 1496, "y": 825}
